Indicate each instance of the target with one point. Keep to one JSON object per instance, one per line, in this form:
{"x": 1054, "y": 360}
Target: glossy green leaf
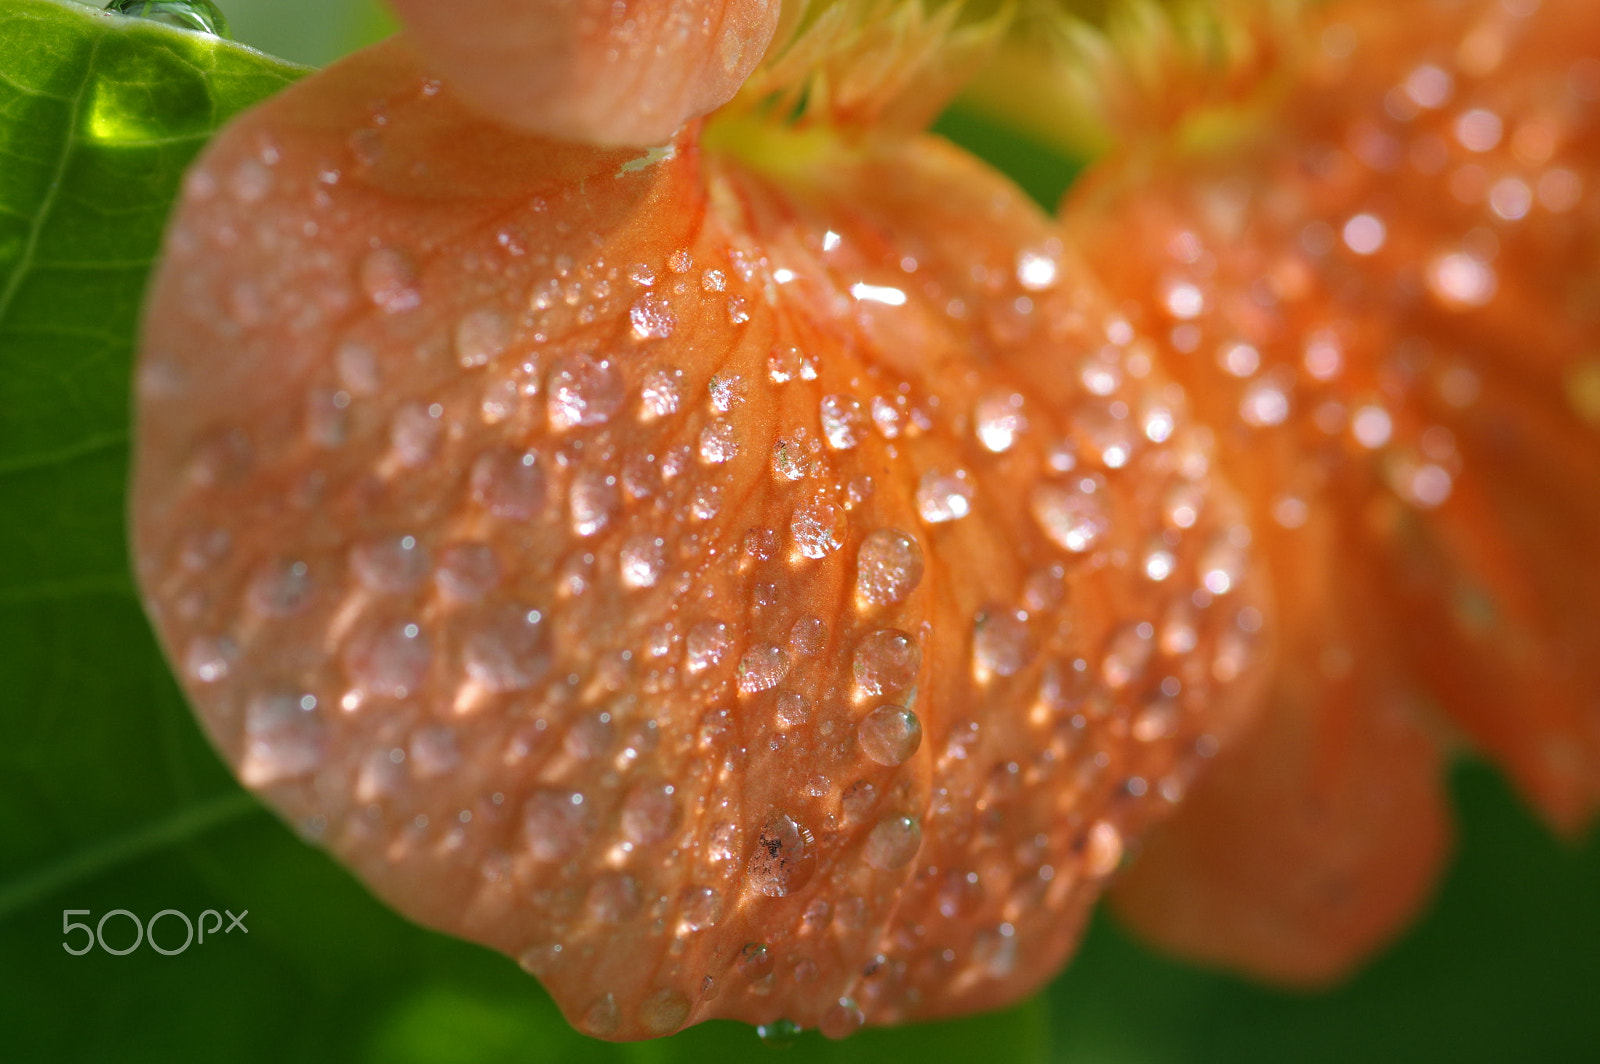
{"x": 111, "y": 799}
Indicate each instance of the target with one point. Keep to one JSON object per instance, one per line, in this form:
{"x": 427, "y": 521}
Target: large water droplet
{"x": 481, "y": 335}
{"x": 391, "y": 564}
{"x": 280, "y": 588}
{"x": 509, "y": 483}
{"x": 1001, "y": 644}
{"x": 507, "y": 649}
{"x": 284, "y": 738}
{"x": 556, "y": 824}
{"x": 890, "y": 735}
{"x": 652, "y": 317}
{"x": 467, "y": 571}
{"x": 719, "y": 442}
{"x": 602, "y": 1017}
{"x": 649, "y": 812}
{"x": 998, "y": 420}
{"x": 886, "y": 660}
{"x": 389, "y": 660}
{"x": 641, "y": 560}
{"x": 763, "y": 667}
{"x": 582, "y": 391}
{"x": 888, "y": 566}
{"x": 844, "y": 423}
{"x": 661, "y": 394}
{"x": 818, "y": 528}
{"x": 707, "y": 642}
{"x": 664, "y": 1011}
{"x": 591, "y": 500}
{"x": 779, "y": 1034}
{"x": 1073, "y": 518}
{"x": 389, "y": 278}
{"x": 783, "y": 859}
{"x": 892, "y": 843}
{"x": 201, "y": 16}
{"x": 943, "y": 497}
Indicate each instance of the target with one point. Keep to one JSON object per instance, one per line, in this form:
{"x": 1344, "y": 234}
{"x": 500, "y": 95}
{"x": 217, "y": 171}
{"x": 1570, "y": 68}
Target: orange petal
{"x": 595, "y": 71}
{"x": 566, "y": 540}
{"x": 1307, "y": 847}
{"x": 1381, "y": 293}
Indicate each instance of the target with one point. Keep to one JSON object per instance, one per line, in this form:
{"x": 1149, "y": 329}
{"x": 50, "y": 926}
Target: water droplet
{"x": 886, "y": 660}
{"x": 280, "y": 588}
{"x": 208, "y": 659}
{"x": 661, "y": 394}
{"x": 1000, "y": 642}
{"x": 888, "y": 566}
{"x": 1036, "y": 270}
{"x": 890, "y": 735}
{"x": 1072, "y": 517}
{"x": 999, "y": 420}
{"x": 481, "y": 336}
{"x": 707, "y": 642}
{"x": 433, "y": 750}
{"x": 663, "y": 1011}
{"x": 649, "y": 812}
{"x": 556, "y": 824}
{"x": 201, "y": 16}
{"x": 844, "y": 423}
{"x": 943, "y": 497}
{"x": 808, "y": 636}
{"x": 602, "y": 1016}
{"x": 389, "y": 660}
{"x": 727, "y": 392}
{"x": 415, "y": 435}
{"x": 1102, "y": 851}
{"x": 641, "y": 560}
{"x": 858, "y": 801}
{"x": 509, "y": 483}
{"x": 1461, "y": 280}
{"x": 1157, "y": 720}
{"x": 591, "y": 500}
{"x": 719, "y": 442}
{"x": 842, "y": 1020}
{"x": 1128, "y": 654}
{"x": 391, "y": 564}
{"x": 755, "y": 960}
{"x": 652, "y": 317}
{"x": 779, "y": 1034}
{"x": 818, "y": 528}
{"x": 284, "y": 738}
{"x": 467, "y": 571}
{"x": 582, "y": 391}
{"x": 994, "y": 949}
{"x": 783, "y": 859}
{"x": 763, "y": 667}
{"x": 507, "y": 649}
{"x": 389, "y": 278}
{"x": 699, "y": 907}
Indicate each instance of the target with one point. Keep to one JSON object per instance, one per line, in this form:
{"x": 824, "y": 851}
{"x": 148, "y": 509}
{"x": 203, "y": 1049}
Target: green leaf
{"x": 111, "y": 799}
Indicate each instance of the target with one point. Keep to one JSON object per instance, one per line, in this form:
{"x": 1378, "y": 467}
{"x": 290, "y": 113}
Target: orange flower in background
{"x": 783, "y": 573}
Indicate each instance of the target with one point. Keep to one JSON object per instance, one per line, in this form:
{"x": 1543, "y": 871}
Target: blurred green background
{"x": 110, "y": 799}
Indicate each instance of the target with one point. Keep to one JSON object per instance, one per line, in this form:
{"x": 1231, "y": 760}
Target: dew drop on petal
{"x": 888, "y": 566}
{"x": 507, "y": 648}
{"x": 388, "y": 276}
{"x": 389, "y": 660}
{"x": 818, "y": 528}
{"x": 844, "y": 423}
{"x": 886, "y": 660}
{"x": 1001, "y": 644}
{"x": 783, "y": 859}
{"x": 391, "y": 564}
{"x": 893, "y": 843}
{"x": 890, "y": 735}
{"x": 1073, "y": 518}
{"x": 509, "y": 483}
{"x": 763, "y": 667}
{"x": 649, "y": 812}
{"x": 284, "y": 738}
{"x": 943, "y": 497}
{"x": 556, "y": 824}
{"x": 481, "y": 336}
{"x": 582, "y": 391}
{"x": 467, "y": 571}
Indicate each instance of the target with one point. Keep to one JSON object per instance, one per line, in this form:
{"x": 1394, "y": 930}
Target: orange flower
{"x": 782, "y": 573}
